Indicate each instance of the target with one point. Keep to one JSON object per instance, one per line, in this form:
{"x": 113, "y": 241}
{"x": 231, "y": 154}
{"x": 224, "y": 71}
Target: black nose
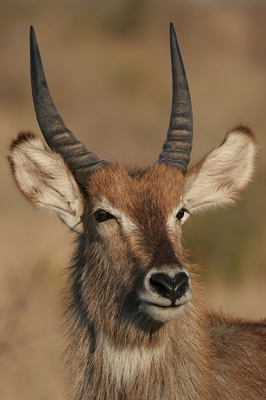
{"x": 170, "y": 287}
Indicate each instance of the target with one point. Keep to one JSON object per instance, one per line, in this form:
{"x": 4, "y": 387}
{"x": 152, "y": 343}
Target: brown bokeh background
{"x": 108, "y": 68}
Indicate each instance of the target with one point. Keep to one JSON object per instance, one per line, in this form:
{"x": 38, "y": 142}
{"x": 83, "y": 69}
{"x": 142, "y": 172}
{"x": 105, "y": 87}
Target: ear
{"x": 223, "y": 174}
{"x": 45, "y": 180}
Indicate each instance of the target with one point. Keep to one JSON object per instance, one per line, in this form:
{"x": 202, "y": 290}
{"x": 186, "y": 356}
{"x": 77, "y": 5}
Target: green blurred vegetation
{"x": 230, "y": 242}
{"x": 111, "y": 59}
{"x": 108, "y": 68}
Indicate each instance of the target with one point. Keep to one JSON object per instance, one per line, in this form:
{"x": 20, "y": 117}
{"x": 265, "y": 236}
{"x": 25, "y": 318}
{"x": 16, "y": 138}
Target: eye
{"x": 102, "y": 215}
{"x": 181, "y": 214}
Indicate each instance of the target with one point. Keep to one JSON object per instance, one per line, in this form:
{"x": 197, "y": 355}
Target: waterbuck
{"x": 135, "y": 317}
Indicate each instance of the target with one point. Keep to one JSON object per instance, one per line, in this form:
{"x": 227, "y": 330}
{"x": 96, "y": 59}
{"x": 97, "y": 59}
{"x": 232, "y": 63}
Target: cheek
{"x": 115, "y": 248}
{"x": 174, "y": 235}
{"x": 119, "y": 255}
{"x": 140, "y": 251}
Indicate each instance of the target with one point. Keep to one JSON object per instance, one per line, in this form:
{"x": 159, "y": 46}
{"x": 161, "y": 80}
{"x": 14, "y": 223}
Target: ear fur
{"x": 224, "y": 173}
{"x": 45, "y": 180}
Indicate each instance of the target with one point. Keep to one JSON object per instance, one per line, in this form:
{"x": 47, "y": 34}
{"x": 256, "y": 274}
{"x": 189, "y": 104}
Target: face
{"x": 133, "y": 229}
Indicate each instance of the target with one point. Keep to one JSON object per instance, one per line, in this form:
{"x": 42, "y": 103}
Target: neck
{"x": 167, "y": 361}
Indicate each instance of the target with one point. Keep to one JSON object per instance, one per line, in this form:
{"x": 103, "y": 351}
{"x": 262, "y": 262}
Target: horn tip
{"x": 32, "y": 32}
{"x": 172, "y": 29}
{"x": 33, "y": 40}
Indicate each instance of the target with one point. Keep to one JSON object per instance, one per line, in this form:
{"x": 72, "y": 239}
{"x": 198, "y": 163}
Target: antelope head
{"x": 129, "y": 260}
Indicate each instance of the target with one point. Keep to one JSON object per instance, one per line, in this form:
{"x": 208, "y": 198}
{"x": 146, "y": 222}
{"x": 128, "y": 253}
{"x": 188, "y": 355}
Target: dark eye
{"x": 102, "y": 216}
{"x": 181, "y": 214}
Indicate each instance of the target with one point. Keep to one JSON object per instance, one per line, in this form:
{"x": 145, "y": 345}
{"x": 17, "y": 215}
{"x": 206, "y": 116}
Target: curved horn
{"x": 59, "y": 138}
{"x": 177, "y": 147}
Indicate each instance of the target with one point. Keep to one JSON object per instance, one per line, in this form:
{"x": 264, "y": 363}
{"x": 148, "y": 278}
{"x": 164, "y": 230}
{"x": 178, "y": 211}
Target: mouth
{"x": 160, "y": 311}
{"x": 163, "y": 302}
{"x": 165, "y": 293}
{"x": 163, "y": 306}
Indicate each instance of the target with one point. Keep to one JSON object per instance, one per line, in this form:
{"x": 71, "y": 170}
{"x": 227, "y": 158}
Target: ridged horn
{"x": 81, "y": 162}
{"x": 177, "y": 147}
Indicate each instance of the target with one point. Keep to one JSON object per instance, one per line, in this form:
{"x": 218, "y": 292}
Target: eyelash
{"x": 181, "y": 213}
{"x": 102, "y": 216}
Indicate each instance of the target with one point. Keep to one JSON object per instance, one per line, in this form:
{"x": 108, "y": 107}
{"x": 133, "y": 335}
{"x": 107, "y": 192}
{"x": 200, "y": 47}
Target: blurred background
{"x": 108, "y": 68}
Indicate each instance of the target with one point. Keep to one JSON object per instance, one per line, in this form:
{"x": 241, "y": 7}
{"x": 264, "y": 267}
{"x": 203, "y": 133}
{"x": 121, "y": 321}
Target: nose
{"x": 172, "y": 288}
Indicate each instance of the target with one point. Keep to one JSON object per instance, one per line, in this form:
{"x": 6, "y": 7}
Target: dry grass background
{"x": 108, "y": 67}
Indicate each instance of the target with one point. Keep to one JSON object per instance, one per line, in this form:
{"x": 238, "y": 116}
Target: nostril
{"x": 181, "y": 284}
{"x": 162, "y": 283}
{"x": 170, "y": 287}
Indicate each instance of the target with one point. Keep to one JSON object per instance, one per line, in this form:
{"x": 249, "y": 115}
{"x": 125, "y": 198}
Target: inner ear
{"x": 45, "y": 180}
{"x": 224, "y": 173}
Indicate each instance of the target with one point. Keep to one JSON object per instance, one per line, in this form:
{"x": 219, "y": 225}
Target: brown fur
{"x": 134, "y": 331}
{"x": 115, "y": 349}
{"x": 128, "y": 259}
{"x": 204, "y": 356}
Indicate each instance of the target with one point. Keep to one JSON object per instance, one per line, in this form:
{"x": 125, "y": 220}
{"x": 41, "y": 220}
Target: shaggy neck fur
{"x": 124, "y": 359}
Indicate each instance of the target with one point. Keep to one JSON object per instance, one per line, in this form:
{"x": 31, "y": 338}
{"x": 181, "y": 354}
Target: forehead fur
{"x": 158, "y": 189}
